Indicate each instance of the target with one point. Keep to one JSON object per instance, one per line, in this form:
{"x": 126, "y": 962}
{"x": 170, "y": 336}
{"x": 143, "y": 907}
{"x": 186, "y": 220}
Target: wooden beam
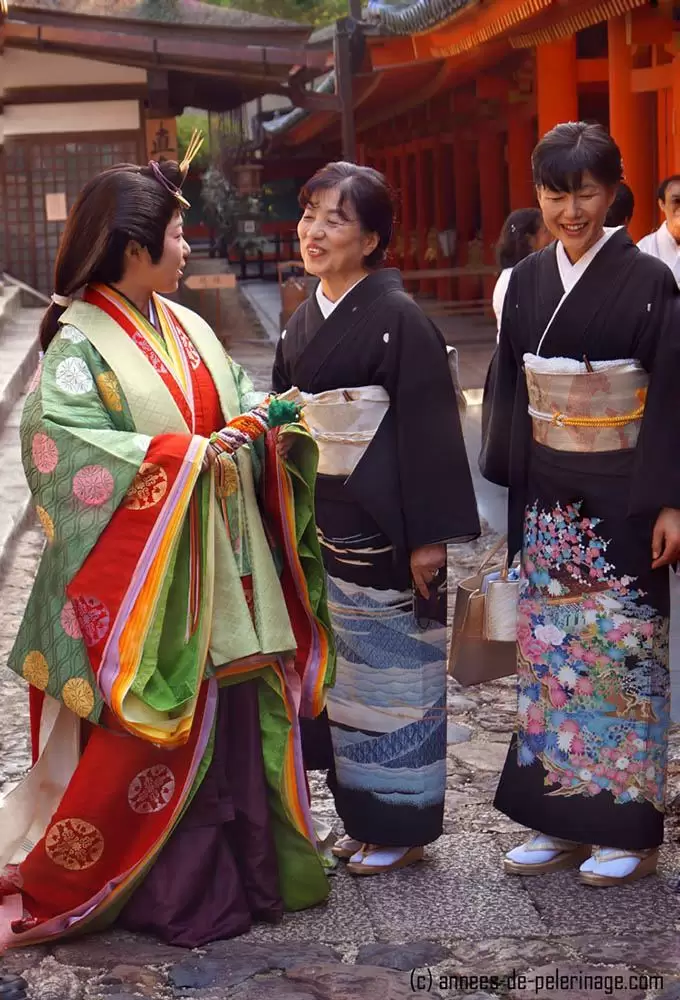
{"x": 592, "y": 70}
{"x": 72, "y": 94}
{"x": 649, "y": 26}
{"x": 653, "y": 78}
{"x": 158, "y": 47}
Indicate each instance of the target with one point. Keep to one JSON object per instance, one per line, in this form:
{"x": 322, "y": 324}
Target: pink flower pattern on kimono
{"x": 592, "y": 666}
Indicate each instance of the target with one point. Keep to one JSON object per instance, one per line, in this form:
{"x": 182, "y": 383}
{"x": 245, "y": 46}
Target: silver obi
{"x": 343, "y": 422}
{"x": 573, "y": 409}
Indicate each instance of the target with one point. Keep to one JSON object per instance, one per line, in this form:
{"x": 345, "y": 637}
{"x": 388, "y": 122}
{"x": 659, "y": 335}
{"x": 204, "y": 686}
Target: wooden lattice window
{"x": 40, "y": 165}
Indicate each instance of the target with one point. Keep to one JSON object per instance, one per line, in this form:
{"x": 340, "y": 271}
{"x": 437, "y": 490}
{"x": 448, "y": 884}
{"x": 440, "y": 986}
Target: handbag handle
{"x": 494, "y": 552}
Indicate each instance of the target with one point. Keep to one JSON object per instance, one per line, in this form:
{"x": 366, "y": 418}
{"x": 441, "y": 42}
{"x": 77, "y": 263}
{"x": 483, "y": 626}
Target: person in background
{"x": 523, "y": 232}
{"x": 622, "y": 208}
{"x": 389, "y": 497}
{"x": 589, "y": 332}
{"x": 665, "y": 242}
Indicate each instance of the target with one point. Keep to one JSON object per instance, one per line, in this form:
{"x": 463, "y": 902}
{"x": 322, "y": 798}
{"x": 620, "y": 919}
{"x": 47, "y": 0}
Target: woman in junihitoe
{"x": 167, "y": 784}
{"x": 583, "y": 426}
{"x": 394, "y": 487}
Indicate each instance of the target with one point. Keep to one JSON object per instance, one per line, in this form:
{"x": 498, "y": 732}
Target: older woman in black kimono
{"x": 582, "y": 424}
{"x": 394, "y": 488}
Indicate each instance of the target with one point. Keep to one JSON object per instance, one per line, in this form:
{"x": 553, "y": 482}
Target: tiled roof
{"x": 410, "y": 18}
{"x": 189, "y": 12}
{"x": 283, "y": 122}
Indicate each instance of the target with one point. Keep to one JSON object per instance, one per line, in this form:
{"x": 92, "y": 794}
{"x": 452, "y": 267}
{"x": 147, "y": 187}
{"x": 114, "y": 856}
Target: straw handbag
{"x": 484, "y": 639}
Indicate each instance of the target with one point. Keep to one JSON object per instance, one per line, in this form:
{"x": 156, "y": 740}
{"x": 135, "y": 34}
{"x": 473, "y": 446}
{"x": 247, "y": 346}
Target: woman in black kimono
{"x": 582, "y": 424}
{"x": 394, "y": 488}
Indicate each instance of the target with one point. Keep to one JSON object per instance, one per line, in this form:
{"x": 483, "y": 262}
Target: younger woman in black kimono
{"x": 394, "y": 488}
{"x": 582, "y": 424}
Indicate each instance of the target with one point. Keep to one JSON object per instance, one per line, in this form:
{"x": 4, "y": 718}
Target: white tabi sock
{"x": 539, "y": 849}
{"x": 610, "y": 861}
{"x": 382, "y": 857}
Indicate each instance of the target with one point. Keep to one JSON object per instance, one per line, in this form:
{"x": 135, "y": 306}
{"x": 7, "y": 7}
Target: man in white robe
{"x": 665, "y": 242}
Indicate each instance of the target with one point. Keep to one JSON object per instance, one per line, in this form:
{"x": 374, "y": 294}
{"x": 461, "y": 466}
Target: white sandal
{"x": 542, "y": 854}
{"x": 346, "y": 847}
{"x": 368, "y": 860}
{"x": 614, "y": 866}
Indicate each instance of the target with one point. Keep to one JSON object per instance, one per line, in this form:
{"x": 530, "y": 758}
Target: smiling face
{"x": 670, "y": 207}
{"x": 332, "y": 241}
{"x": 576, "y": 218}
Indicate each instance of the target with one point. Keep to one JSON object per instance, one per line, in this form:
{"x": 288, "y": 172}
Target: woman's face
{"x": 332, "y": 242}
{"x": 576, "y": 218}
{"x": 164, "y": 277}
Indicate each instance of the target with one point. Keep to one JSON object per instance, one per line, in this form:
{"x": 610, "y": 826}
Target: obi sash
{"x": 343, "y": 422}
{"x": 574, "y": 409}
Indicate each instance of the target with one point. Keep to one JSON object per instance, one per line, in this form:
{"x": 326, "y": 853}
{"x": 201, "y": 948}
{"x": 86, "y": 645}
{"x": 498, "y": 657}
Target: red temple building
{"x": 450, "y": 97}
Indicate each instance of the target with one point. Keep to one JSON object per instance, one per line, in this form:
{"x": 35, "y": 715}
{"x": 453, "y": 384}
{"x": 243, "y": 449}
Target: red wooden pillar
{"x": 440, "y": 221}
{"x": 631, "y": 126}
{"x": 556, "y": 84}
{"x": 464, "y": 193}
{"x": 407, "y": 210}
{"x": 664, "y": 130}
{"x": 520, "y": 147}
{"x": 425, "y": 287}
{"x": 675, "y": 117}
{"x": 491, "y": 187}
{"x": 391, "y": 168}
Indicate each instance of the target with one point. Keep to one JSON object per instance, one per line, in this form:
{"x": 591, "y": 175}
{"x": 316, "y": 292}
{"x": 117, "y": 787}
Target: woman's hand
{"x": 208, "y": 458}
{"x": 284, "y": 443}
{"x": 666, "y": 538}
{"x": 425, "y": 564}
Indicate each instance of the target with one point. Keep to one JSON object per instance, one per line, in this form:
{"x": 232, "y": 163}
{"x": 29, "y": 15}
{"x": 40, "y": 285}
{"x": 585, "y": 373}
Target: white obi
{"x": 343, "y": 422}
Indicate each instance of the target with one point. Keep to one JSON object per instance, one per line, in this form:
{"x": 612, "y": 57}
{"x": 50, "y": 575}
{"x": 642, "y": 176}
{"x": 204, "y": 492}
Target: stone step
{"x": 19, "y": 349}
{"x": 16, "y": 509}
{"x": 10, "y": 304}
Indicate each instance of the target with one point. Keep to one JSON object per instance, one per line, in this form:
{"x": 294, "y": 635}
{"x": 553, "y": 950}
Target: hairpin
{"x": 193, "y": 149}
{"x": 195, "y": 144}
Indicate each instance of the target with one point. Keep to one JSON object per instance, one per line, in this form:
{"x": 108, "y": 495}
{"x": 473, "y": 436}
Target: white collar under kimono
{"x": 325, "y": 304}
{"x": 571, "y": 273}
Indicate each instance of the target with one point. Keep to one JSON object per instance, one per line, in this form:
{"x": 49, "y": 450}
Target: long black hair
{"x": 514, "y": 243}
{"x": 121, "y": 204}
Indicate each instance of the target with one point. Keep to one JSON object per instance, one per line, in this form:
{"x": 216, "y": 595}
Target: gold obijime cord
{"x": 563, "y": 420}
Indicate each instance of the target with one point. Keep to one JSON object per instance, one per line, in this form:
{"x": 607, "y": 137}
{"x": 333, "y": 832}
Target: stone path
{"x": 456, "y": 917}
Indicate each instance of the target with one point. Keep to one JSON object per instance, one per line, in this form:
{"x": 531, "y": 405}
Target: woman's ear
{"x": 134, "y": 250}
{"x": 371, "y": 242}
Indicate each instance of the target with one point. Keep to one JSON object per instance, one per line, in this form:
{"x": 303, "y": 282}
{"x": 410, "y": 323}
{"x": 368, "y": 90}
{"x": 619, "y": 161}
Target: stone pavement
{"x": 456, "y": 916}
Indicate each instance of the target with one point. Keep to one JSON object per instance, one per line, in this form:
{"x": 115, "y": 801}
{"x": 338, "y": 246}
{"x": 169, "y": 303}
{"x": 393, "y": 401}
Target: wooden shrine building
{"x": 89, "y": 83}
{"x": 453, "y": 94}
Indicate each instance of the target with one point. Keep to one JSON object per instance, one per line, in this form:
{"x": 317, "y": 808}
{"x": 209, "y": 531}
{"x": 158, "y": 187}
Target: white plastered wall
{"x": 24, "y": 68}
{"x": 74, "y": 116}
{"x": 21, "y": 69}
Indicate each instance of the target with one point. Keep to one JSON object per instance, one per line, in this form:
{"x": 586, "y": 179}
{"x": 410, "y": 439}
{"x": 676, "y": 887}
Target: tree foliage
{"x": 315, "y": 12}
